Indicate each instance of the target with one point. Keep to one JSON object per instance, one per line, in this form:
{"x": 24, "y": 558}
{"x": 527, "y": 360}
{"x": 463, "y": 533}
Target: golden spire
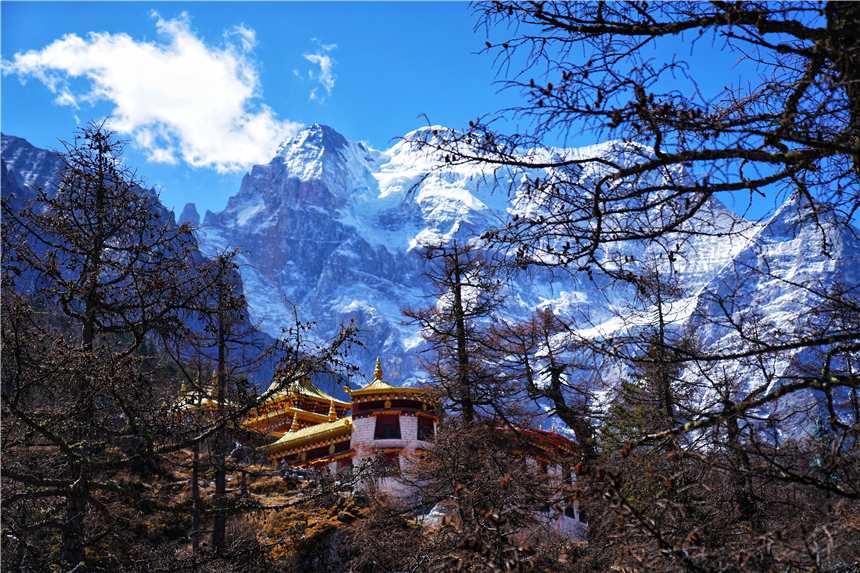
{"x": 332, "y": 413}
{"x": 183, "y": 392}
{"x": 378, "y": 372}
{"x": 295, "y": 424}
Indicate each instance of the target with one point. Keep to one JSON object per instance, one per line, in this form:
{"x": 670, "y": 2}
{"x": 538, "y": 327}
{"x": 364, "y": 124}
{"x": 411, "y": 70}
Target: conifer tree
{"x": 464, "y": 295}
{"x": 98, "y": 286}
{"x": 93, "y": 268}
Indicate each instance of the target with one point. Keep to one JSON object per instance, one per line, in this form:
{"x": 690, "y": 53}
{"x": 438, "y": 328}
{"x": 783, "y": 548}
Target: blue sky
{"x": 204, "y": 90}
{"x": 166, "y": 71}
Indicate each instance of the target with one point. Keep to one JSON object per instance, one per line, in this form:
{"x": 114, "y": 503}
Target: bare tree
{"x": 465, "y": 296}
{"x": 98, "y": 284}
{"x": 92, "y": 267}
{"x": 538, "y": 357}
{"x": 758, "y": 382}
{"x": 794, "y": 133}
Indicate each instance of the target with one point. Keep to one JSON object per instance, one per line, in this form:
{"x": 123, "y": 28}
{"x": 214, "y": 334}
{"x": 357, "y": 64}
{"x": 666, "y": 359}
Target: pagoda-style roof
{"x": 544, "y": 440}
{"x": 257, "y": 417}
{"x": 380, "y": 386}
{"x": 205, "y": 398}
{"x": 305, "y": 388}
{"x": 311, "y": 434}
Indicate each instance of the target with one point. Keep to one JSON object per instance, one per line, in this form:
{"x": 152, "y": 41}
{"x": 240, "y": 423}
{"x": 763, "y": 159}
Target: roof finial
{"x": 332, "y": 413}
{"x": 378, "y": 372}
{"x": 295, "y": 425}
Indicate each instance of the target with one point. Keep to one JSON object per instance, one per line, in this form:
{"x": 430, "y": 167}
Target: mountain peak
{"x": 315, "y": 137}
{"x": 28, "y": 165}
{"x": 190, "y": 214}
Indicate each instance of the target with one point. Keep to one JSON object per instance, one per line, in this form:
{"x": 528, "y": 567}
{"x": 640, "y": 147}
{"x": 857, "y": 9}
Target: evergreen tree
{"x": 99, "y": 287}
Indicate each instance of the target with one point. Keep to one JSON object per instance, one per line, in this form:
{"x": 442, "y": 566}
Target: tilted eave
{"x": 304, "y": 415}
{"x": 311, "y": 434}
{"x": 303, "y": 387}
{"x": 382, "y": 387}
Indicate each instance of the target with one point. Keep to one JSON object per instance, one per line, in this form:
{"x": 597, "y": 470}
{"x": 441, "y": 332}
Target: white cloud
{"x": 325, "y": 77}
{"x": 177, "y": 99}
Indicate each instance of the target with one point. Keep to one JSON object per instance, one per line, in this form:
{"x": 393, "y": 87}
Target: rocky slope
{"x": 328, "y": 230}
{"x": 26, "y": 168}
{"x": 329, "y": 227}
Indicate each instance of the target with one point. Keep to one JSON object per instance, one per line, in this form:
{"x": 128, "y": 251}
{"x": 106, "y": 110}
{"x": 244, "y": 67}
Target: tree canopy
{"x": 703, "y": 400}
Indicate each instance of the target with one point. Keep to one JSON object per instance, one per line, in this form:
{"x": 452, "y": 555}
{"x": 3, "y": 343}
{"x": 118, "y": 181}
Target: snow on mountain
{"x": 328, "y": 230}
{"x": 27, "y": 166}
{"x": 777, "y": 285}
{"x": 330, "y": 226}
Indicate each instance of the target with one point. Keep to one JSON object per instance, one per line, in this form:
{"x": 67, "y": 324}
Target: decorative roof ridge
{"x": 378, "y": 383}
{"x": 302, "y": 387}
{"x": 286, "y": 412}
{"x": 310, "y": 433}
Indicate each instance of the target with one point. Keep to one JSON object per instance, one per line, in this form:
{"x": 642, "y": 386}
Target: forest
{"x": 110, "y": 312}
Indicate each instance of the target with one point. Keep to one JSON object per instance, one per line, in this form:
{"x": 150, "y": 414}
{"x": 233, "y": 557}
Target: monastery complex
{"x": 391, "y": 425}
{"x": 315, "y": 429}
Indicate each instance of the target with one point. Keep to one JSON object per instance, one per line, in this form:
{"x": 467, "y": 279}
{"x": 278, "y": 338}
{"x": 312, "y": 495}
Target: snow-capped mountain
{"x": 331, "y": 227}
{"x": 26, "y": 168}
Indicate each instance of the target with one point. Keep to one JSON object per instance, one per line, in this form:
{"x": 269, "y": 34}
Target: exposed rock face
{"x": 329, "y": 229}
{"x": 190, "y": 214}
{"x": 26, "y": 167}
{"x": 331, "y": 225}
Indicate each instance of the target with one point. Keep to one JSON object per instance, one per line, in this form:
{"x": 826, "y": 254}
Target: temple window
{"x": 425, "y": 430}
{"x": 569, "y": 511}
{"x": 387, "y": 428}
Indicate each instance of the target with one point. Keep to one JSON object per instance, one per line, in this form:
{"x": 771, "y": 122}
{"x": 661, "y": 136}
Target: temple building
{"x": 305, "y": 427}
{"x": 199, "y": 398}
{"x": 393, "y": 426}
{"x": 392, "y": 423}
{"x": 295, "y": 407}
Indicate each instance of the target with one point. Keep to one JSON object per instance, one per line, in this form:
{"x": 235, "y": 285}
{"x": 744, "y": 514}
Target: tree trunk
{"x": 463, "y": 379}
{"x": 664, "y": 381}
{"x": 581, "y": 427}
{"x": 73, "y": 531}
{"x": 744, "y": 497}
{"x": 195, "y": 501}
{"x": 843, "y": 20}
{"x": 219, "y": 529}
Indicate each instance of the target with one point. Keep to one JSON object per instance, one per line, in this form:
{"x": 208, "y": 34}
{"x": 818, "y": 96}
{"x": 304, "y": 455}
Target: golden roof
{"x": 311, "y": 433}
{"x": 257, "y": 418}
{"x": 303, "y": 387}
{"x": 204, "y": 397}
{"x": 380, "y": 386}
